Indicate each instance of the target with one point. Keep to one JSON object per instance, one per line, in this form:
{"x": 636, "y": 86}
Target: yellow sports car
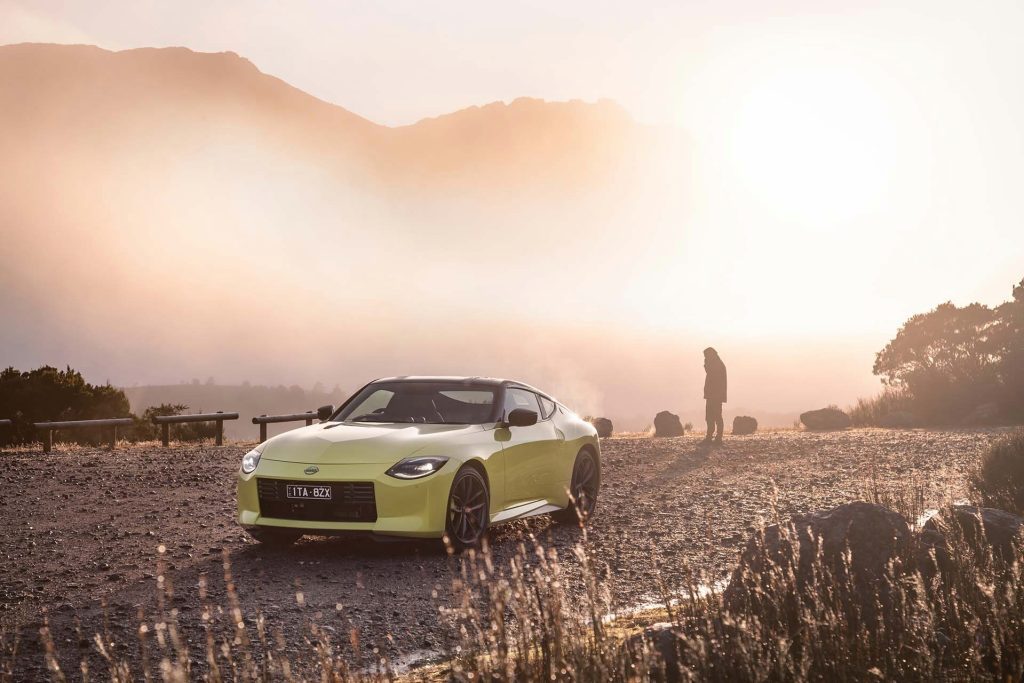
{"x": 425, "y": 457}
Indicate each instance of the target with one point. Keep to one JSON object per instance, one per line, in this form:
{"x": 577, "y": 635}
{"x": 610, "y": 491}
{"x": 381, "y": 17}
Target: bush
{"x": 46, "y": 394}
{"x": 873, "y": 412}
{"x": 145, "y": 430}
{"x": 948, "y": 362}
{"x": 999, "y": 481}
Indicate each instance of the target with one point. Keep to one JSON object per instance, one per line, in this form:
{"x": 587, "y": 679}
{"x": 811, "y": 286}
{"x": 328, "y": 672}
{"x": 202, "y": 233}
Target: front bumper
{"x": 413, "y": 508}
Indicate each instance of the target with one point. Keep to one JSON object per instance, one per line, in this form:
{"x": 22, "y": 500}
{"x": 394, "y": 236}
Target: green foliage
{"x": 145, "y": 430}
{"x": 47, "y": 393}
{"x": 999, "y": 481}
{"x": 189, "y": 431}
{"x": 945, "y": 363}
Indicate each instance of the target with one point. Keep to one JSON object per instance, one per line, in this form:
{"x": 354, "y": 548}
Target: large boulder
{"x": 742, "y": 424}
{"x": 667, "y": 424}
{"x": 999, "y": 530}
{"x": 603, "y": 426}
{"x": 873, "y": 535}
{"x": 825, "y": 418}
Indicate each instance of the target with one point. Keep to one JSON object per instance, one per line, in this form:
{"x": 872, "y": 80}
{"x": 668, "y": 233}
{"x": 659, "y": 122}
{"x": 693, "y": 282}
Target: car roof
{"x": 489, "y": 381}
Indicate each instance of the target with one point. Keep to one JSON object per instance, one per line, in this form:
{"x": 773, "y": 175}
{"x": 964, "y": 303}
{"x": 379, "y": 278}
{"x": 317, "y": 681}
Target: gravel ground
{"x": 81, "y": 529}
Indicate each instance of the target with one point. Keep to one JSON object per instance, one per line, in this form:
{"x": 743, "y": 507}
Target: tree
{"x": 1008, "y": 339}
{"x": 945, "y": 359}
{"x": 47, "y": 393}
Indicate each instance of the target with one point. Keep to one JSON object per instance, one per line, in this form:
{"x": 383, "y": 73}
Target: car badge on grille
{"x": 312, "y": 469}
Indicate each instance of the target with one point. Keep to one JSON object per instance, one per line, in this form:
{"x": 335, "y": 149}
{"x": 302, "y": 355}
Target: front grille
{"x": 351, "y": 501}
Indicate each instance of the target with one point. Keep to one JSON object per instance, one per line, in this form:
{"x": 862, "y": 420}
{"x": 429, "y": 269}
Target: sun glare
{"x": 812, "y": 144}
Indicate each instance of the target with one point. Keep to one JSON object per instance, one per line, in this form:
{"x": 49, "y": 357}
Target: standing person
{"x": 714, "y": 394}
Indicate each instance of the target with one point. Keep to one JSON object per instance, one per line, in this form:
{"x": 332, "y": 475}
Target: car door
{"x": 530, "y": 452}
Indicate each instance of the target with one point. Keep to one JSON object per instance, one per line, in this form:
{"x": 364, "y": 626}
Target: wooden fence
{"x": 264, "y": 420}
{"x": 50, "y": 427}
{"x": 165, "y": 422}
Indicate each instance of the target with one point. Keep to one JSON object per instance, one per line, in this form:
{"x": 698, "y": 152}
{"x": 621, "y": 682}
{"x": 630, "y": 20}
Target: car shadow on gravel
{"x": 346, "y": 547}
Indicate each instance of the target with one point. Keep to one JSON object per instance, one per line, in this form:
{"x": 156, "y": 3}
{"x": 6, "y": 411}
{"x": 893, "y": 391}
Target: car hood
{"x": 335, "y": 443}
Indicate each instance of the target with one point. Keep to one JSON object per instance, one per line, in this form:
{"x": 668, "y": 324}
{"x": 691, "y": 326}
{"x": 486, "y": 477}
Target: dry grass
{"x": 521, "y": 621}
{"x": 871, "y": 412}
{"x": 954, "y": 613}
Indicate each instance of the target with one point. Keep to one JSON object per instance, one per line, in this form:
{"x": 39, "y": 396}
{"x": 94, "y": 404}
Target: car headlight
{"x": 251, "y": 460}
{"x": 414, "y": 468}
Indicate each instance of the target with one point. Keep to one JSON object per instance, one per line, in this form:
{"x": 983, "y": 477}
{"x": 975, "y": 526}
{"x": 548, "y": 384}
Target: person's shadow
{"x": 687, "y": 461}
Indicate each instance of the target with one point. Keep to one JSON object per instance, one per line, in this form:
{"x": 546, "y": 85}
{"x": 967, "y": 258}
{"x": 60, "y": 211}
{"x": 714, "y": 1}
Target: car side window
{"x": 520, "y": 398}
{"x": 547, "y": 407}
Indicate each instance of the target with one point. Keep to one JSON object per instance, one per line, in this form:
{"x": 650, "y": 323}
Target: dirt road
{"x": 82, "y": 527}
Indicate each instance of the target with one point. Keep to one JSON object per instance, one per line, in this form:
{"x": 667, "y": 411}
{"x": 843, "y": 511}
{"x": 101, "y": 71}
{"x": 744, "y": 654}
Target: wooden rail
{"x": 165, "y": 422}
{"x": 264, "y": 420}
{"x": 50, "y": 427}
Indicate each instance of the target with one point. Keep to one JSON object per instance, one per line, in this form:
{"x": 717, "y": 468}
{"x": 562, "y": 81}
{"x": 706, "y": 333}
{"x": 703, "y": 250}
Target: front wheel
{"x": 586, "y": 482}
{"x": 468, "y": 514}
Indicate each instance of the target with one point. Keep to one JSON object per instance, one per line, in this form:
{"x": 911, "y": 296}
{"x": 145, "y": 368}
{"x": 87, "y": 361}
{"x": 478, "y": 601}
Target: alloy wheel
{"x": 468, "y": 512}
{"x": 585, "y": 484}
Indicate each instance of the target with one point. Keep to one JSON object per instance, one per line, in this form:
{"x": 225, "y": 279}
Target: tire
{"x": 274, "y": 538}
{"x": 585, "y": 485}
{"x": 467, "y": 516}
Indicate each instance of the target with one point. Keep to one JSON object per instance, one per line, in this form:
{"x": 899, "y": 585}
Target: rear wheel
{"x": 274, "y": 538}
{"x": 468, "y": 512}
{"x": 586, "y": 482}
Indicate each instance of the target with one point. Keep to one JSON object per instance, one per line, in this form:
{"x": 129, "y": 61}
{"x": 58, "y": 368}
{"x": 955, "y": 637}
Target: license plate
{"x": 303, "y": 492}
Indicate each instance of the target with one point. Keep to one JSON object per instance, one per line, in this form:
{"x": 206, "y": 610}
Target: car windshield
{"x": 422, "y": 402}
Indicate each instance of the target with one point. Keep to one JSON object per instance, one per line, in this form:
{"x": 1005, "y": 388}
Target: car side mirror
{"x": 521, "y": 417}
{"x": 323, "y": 413}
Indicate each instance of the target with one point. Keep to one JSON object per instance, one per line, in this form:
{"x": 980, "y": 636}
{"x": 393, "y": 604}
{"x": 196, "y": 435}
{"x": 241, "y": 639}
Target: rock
{"x": 667, "y": 424}
{"x": 826, "y": 418}
{"x": 985, "y": 414}
{"x": 873, "y": 534}
{"x": 898, "y": 419}
{"x": 603, "y": 426}
{"x": 1002, "y": 531}
{"x": 743, "y": 424}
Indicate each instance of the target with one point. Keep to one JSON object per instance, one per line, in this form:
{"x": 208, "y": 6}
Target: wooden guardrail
{"x": 50, "y": 427}
{"x": 264, "y": 420}
{"x": 165, "y": 422}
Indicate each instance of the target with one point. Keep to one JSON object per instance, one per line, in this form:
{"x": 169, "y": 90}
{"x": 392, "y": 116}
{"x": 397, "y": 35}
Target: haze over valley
{"x": 169, "y": 214}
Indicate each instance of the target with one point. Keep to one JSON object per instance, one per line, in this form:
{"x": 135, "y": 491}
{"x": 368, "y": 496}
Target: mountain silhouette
{"x": 174, "y": 100}
{"x": 168, "y": 212}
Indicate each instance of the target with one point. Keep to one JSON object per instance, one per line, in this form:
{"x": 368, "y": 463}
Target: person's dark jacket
{"x": 715, "y": 382}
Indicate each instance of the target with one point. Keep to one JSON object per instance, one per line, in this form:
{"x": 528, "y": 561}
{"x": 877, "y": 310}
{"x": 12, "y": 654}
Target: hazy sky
{"x": 850, "y": 164}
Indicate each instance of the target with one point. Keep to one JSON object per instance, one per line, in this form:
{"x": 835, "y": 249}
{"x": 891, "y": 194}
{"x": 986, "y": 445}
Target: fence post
{"x": 220, "y": 432}
{"x": 263, "y": 430}
{"x": 48, "y": 441}
{"x": 113, "y": 437}
{"x": 309, "y": 422}
{"x": 165, "y": 434}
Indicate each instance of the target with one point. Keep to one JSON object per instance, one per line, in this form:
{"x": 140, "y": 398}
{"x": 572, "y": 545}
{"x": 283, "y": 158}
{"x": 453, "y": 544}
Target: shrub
{"x": 47, "y": 393}
{"x": 949, "y": 361}
{"x": 999, "y": 481}
{"x": 872, "y": 412}
{"x": 145, "y": 430}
